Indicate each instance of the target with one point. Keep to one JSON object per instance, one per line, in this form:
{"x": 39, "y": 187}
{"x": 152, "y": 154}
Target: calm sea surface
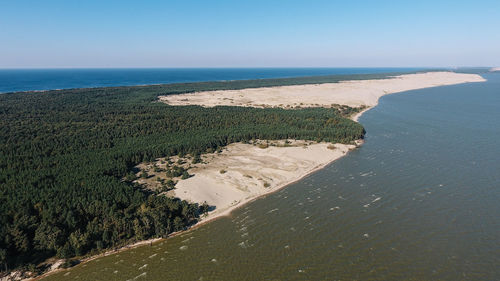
{"x": 48, "y": 79}
{"x": 420, "y": 200}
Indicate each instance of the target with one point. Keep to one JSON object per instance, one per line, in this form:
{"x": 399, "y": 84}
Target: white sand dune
{"x": 352, "y": 93}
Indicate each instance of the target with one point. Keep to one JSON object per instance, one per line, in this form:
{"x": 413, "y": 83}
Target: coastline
{"x": 371, "y": 102}
{"x": 202, "y": 221}
{"x": 364, "y": 93}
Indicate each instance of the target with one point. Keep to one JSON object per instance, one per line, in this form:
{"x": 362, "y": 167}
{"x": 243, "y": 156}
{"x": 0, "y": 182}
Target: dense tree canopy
{"x": 64, "y": 156}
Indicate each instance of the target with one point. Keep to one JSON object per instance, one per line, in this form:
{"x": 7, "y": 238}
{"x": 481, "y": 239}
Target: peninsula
{"x": 90, "y": 170}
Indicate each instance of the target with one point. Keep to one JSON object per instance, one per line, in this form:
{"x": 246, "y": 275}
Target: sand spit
{"x": 243, "y": 172}
{"x": 353, "y": 93}
{"x": 239, "y": 174}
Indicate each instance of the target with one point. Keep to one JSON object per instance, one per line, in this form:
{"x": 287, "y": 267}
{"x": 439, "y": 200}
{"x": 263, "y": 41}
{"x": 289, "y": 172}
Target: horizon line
{"x": 236, "y": 67}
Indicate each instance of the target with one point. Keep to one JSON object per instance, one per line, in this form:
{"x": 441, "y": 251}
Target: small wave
{"x": 273, "y": 210}
{"x": 144, "y": 266}
{"x": 138, "y": 276}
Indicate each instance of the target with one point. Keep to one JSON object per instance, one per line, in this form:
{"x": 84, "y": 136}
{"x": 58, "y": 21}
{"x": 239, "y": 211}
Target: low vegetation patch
{"x": 263, "y": 145}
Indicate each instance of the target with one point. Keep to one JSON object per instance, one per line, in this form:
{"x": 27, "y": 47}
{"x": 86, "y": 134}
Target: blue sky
{"x": 253, "y": 33}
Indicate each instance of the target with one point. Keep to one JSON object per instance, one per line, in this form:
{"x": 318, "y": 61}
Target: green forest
{"x": 65, "y": 154}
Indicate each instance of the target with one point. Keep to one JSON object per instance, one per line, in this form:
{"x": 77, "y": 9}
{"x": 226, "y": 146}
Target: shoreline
{"x": 352, "y": 93}
{"x": 201, "y": 222}
{"x": 339, "y": 151}
{"x": 372, "y": 102}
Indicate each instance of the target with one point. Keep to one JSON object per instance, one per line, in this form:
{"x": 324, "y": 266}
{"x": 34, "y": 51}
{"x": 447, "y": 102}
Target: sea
{"x": 15, "y": 80}
{"x": 418, "y": 201}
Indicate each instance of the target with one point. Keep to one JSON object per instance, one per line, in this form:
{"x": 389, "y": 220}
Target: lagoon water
{"x": 418, "y": 201}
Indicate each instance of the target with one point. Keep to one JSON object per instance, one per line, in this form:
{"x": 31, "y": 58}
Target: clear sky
{"x": 212, "y": 33}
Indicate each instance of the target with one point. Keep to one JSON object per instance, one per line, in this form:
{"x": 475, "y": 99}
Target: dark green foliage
{"x": 170, "y": 184}
{"x": 197, "y": 157}
{"x": 3, "y": 252}
{"x": 175, "y": 171}
{"x": 185, "y": 175}
{"x": 157, "y": 169}
{"x": 131, "y": 177}
{"x": 64, "y": 156}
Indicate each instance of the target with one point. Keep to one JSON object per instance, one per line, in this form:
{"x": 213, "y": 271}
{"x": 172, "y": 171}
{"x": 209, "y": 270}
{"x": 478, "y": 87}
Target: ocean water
{"x": 418, "y": 201}
{"x": 14, "y": 80}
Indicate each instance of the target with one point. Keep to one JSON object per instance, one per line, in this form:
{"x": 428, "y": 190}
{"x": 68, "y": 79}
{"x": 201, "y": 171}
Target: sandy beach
{"x": 243, "y": 172}
{"x": 238, "y": 175}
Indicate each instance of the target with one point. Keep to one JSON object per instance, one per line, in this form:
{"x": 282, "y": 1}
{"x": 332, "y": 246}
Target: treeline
{"x": 64, "y": 156}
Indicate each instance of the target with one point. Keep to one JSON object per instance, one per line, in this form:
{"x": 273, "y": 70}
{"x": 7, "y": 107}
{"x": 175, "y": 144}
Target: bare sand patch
{"x": 243, "y": 172}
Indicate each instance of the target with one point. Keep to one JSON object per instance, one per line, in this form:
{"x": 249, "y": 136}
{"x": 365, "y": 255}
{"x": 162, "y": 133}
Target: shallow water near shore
{"x": 418, "y": 201}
